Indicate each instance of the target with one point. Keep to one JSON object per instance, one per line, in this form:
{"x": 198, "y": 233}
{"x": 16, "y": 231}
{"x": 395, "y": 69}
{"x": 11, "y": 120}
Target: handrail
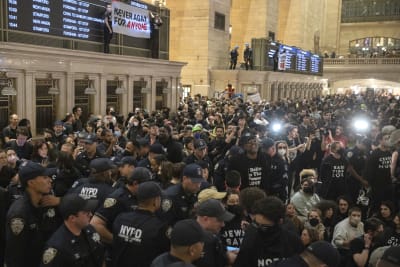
{"x": 361, "y": 61}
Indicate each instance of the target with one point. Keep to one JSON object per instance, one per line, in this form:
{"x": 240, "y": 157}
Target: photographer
{"x": 109, "y": 120}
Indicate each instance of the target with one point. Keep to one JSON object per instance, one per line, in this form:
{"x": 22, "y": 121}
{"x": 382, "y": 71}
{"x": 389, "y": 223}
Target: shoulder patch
{"x": 349, "y": 154}
{"x": 17, "y": 225}
{"x": 168, "y": 232}
{"x": 166, "y": 205}
{"x": 109, "y": 202}
{"x": 51, "y": 213}
{"x": 48, "y": 255}
{"x": 96, "y": 237}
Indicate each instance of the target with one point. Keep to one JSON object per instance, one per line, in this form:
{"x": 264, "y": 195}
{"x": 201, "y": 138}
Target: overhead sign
{"x": 130, "y": 20}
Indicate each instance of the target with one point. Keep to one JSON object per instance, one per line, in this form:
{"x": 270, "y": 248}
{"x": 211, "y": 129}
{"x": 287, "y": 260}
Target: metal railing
{"x": 361, "y": 61}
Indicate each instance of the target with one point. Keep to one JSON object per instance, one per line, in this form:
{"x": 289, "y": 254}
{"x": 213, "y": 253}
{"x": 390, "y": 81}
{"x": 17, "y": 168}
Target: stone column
{"x": 100, "y": 98}
{"x": 67, "y": 90}
{"x": 129, "y": 88}
{"x": 28, "y": 100}
{"x": 123, "y": 97}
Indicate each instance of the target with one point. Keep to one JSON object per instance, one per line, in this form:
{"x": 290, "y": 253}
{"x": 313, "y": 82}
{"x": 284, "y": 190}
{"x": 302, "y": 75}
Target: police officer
{"x": 121, "y": 200}
{"x": 180, "y": 198}
{"x": 90, "y": 152}
{"x": 28, "y": 224}
{"x": 141, "y": 232}
{"x": 211, "y": 215}
{"x": 319, "y": 253}
{"x": 126, "y": 165}
{"x": 265, "y": 240}
{"x": 76, "y": 242}
{"x": 155, "y": 149}
{"x": 99, "y": 184}
{"x": 187, "y": 242}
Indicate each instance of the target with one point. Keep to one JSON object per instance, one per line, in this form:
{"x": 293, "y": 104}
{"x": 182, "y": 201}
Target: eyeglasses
{"x": 279, "y": 147}
{"x": 252, "y": 142}
{"x": 261, "y": 226}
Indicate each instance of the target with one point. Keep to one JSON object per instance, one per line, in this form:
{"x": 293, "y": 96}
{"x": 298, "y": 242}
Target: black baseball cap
{"x": 266, "y": 143}
{"x": 140, "y": 174}
{"x": 143, "y": 142}
{"x": 71, "y": 204}
{"x": 156, "y": 149}
{"x": 325, "y": 252}
{"x": 127, "y": 160}
{"x": 29, "y": 170}
{"x": 392, "y": 255}
{"x": 90, "y": 139}
{"x": 186, "y": 233}
{"x": 147, "y": 190}
{"x": 199, "y": 144}
{"x": 194, "y": 172}
{"x": 214, "y": 208}
{"x": 101, "y": 165}
{"x": 246, "y": 137}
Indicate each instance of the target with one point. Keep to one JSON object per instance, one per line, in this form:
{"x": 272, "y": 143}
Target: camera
{"x": 324, "y": 131}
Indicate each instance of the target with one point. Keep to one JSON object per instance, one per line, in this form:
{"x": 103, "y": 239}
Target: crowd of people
{"x": 219, "y": 182}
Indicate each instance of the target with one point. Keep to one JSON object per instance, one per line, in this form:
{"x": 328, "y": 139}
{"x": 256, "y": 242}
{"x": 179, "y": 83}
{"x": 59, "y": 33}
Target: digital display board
{"x": 315, "y": 64}
{"x": 303, "y": 61}
{"x": 287, "y": 54}
{"x": 293, "y": 59}
{"x": 65, "y": 18}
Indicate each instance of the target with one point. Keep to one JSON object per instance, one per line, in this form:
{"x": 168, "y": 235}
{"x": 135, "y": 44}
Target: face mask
{"x": 308, "y": 190}
{"x": 135, "y": 123}
{"x": 117, "y": 133}
{"x": 235, "y": 209}
{"x": 266, "y": 230}
{"x": 313, "y": 222}
{"x": 282, "y": 152}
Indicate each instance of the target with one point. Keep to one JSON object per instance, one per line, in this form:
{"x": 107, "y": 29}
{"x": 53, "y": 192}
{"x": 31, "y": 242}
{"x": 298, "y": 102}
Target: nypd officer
{"x": 187, "y": 242}
{"x": 99, "y": 184}
{"x": 28, "y": 223}
{"x": 180, "y": 198}
{"x": 121, "y": 200}
{"x": 140, "y": 233}
{"x": 89, "y": 153}
{"x": 76, "y": 242}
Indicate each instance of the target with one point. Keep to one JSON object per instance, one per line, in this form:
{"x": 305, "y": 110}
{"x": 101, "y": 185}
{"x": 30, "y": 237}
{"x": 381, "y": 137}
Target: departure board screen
{"x": 288, "y": 54}
{"x": 303, "y": 61}
{"x": 316, "y": 64}
{"x": 292, "y": 59}
{"x": 65, "y": 18}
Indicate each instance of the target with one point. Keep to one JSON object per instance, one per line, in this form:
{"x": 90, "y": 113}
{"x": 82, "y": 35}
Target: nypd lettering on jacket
{"x": 130, "y": 234}
{"x": 88, "y": 192}
{"x": 266, "y": 262}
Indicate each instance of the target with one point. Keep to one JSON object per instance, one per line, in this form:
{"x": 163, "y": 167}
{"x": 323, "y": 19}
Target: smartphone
{"x": 229, "y": 248}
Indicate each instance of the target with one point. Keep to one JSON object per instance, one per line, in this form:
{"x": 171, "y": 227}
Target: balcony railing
{"x": 361, "y": 61}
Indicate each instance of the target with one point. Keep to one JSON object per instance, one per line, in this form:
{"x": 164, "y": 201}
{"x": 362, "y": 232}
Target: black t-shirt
{"x": 258, "y": 250}
{"x": 377, "y": 171}
{"x": 254, "y": 172}
{"x": 333, "y": 177}
{"x": 6, "y": 173}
